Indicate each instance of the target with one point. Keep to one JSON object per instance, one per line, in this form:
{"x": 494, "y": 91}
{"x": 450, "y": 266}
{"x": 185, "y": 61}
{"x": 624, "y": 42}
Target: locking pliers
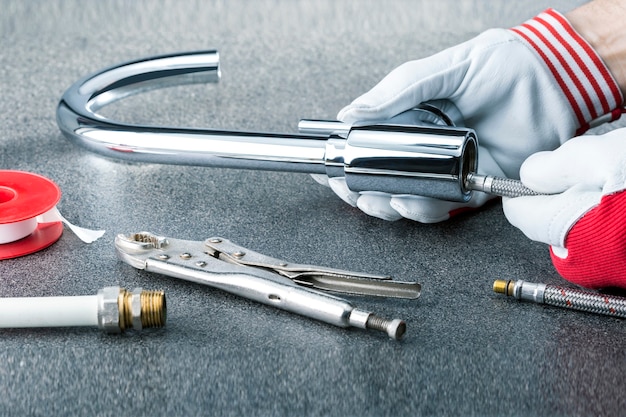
{"x": 219, "y": 263}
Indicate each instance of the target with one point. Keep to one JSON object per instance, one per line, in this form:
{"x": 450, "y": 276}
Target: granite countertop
{"x": 467, "y": 351}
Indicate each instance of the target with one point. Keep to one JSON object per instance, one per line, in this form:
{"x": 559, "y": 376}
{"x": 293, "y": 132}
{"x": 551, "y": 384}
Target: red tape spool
{"x": 23, "y": 197}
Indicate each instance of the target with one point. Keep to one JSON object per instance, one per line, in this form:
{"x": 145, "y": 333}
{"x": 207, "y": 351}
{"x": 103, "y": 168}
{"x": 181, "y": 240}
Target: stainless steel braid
{"x": 583, "y": 300}
{"x": 507, "y": 187}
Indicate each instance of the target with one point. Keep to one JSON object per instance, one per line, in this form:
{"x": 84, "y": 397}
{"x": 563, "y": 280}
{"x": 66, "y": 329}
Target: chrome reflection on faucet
{"x": 419, "y": 152}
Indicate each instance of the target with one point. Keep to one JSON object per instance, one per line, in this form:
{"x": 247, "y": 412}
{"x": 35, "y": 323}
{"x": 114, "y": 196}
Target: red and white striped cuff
{"x": 591, "y": 90}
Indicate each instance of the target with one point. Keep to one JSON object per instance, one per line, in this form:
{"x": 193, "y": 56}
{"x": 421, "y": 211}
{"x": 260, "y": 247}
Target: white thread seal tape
{"x": 29, "y": 219}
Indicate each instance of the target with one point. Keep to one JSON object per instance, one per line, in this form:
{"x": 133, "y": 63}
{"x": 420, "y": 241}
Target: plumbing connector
{"x": 112, "y": 309}
{"x": 119, "y": 309}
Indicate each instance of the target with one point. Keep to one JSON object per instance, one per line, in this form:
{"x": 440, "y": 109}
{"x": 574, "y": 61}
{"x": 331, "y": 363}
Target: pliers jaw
{"x": 136, "y": 248}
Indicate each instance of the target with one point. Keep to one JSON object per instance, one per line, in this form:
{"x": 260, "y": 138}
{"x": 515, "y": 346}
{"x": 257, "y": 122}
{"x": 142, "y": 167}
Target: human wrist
{"x": 600, "y": 23}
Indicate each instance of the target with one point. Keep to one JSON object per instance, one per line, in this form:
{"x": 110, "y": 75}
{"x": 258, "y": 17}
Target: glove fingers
{"x": 321, "y": 179}
{"x": 372, "y": 203}
{"x": 405, "y": 87}
{"x": 554, "y": 172}
{"x": 430, "y": 210}
{"x": 339, "y": 186}
{"x": 422, "y": 209}
{"x": 377, "y": 205}
{"x": 548, "y": 218}
{"x": 584, "y": 160}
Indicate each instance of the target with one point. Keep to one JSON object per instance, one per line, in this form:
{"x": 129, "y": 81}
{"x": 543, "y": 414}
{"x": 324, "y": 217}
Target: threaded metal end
{"x": 376, "y": 323}
{"x": 394, "y": 328}
{"x": 502, "y": 286}
{"x": 499, "y": 286}
{"x": 141, "y": 308}
{"x": 153, "y": 309}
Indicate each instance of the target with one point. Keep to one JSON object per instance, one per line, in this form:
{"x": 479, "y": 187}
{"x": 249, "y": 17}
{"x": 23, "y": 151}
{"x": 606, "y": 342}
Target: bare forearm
{"x": 601, "y": 23}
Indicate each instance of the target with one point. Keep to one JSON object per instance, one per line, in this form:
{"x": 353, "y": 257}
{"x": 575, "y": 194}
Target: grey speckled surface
{"x": 467, "y": 352}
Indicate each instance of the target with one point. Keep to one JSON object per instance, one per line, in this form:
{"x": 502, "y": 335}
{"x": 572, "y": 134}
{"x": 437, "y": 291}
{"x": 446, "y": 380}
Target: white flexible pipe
{"x": 20, "y": 312}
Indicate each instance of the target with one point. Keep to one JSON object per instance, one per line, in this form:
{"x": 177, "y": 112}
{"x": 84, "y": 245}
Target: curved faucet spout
{"x": 79, "y": 121}
{"x": 418, "y": 152}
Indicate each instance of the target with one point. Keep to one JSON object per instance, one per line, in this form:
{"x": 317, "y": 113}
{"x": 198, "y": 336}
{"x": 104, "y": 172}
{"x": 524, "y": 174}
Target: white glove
{"x": 521, "y": 91}
{"x": 585, "y": 220}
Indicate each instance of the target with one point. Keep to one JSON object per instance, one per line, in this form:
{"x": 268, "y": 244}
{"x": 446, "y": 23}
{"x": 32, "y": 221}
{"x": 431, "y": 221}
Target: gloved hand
{"x": 523, "y": 90}
{"x": 585, "y": 221}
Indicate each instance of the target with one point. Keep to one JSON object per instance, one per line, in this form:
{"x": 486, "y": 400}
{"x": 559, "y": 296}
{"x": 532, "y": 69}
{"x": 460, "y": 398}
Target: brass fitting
{"x": 119, "y": 309}
{"x": 501, "y": 286}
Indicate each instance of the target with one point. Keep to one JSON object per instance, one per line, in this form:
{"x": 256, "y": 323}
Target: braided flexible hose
{"x": 585, "y": 301}
{"x": 503, "y": 187}
{"x": 571, "y": 298}
{"x": 506, "y": 187}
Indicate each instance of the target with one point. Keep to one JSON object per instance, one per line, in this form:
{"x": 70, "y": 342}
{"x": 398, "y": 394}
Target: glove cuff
{"x": 584, "y": 79}
{"x": 596, "y": 246}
